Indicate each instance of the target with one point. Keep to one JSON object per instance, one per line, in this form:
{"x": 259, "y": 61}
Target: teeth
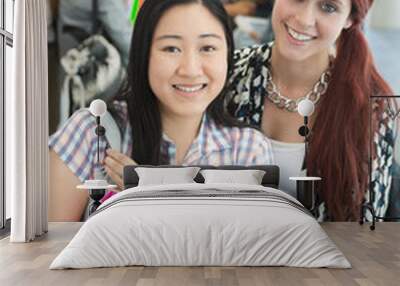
{"x": 298, "y": 36}
{"x": 189, "y": 89}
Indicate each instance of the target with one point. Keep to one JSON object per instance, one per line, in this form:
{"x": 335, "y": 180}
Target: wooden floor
{"x": 374, "y": 255}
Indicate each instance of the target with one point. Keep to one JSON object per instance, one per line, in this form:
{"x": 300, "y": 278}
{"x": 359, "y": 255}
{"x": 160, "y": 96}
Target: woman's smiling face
{"x": 305, "y": 28}
{"x": 188, "y": 60}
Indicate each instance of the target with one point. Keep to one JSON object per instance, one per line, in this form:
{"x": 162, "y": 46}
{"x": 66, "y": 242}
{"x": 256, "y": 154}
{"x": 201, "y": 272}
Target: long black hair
{"x": 143, "y": 110}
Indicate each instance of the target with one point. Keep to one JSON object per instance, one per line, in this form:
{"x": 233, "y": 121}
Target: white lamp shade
{"x": 98, "y": 107}
{"x": 305, "y": 107}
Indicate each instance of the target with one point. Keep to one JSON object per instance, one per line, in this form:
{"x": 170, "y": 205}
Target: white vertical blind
{"x": 9, "y": 7}
{"x": 27, "y": 123}
{"x": 9, "y": 72}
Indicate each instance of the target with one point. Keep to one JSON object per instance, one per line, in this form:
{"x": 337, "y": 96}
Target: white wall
{"x": 385, "y": 14}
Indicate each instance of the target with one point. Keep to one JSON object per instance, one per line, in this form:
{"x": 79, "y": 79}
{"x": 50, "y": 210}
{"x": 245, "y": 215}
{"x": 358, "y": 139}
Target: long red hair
{"x": 339, "y": 145}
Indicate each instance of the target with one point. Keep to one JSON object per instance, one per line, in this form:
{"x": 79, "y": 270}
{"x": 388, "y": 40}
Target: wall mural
{"x": 177, "y": 96}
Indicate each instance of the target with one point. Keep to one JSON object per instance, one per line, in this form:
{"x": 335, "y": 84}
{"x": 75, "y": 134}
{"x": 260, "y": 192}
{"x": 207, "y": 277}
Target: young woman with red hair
{"x": 320, "y": 53}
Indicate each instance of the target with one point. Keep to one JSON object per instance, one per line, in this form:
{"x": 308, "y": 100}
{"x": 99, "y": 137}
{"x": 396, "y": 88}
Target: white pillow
{"x": 249, "y": 177}
{"x": 163, "y": 176}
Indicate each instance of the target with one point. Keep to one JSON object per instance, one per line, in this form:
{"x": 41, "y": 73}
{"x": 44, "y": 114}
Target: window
{"x": 6, "y": 66}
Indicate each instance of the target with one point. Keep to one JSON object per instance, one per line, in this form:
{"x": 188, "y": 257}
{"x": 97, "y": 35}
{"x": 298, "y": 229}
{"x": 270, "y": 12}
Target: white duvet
{"x": 201, "y": 224}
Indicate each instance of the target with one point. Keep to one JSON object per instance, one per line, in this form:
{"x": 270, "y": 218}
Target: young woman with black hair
{"x": 171, "y": 110}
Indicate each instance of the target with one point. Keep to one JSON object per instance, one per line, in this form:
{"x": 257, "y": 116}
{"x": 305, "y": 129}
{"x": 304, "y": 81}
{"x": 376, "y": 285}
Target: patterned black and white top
{"x": 245, "y": 100}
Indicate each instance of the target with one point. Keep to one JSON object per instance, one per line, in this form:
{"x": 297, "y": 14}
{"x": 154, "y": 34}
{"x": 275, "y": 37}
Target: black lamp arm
{"x": 100, "y": 131}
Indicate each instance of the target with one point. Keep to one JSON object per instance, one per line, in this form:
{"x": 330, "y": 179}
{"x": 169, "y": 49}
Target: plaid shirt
{"x": 76, "y": 144}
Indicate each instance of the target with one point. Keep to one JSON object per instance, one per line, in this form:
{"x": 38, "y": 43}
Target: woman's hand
{"x": 114, "y": 164}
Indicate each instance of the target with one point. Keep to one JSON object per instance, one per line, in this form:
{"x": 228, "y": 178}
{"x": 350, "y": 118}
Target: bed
{"x": 201, "y": 223}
